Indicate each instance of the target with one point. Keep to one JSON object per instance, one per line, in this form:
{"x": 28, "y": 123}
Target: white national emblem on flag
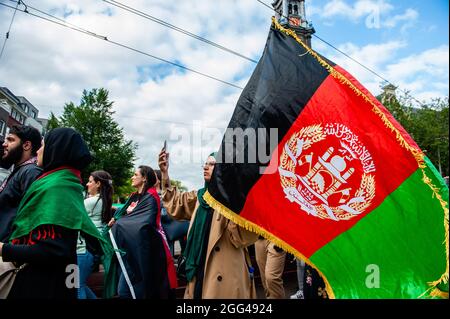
{"x": 328, "y": 172}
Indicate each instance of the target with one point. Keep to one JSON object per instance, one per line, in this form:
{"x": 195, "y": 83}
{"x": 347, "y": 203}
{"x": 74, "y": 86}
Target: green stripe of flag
{"x": 402, "y": 241}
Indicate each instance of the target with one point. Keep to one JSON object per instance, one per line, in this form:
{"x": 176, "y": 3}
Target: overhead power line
{"x": 173, "y": 27}
{"x": 65, "y": 24}
{"x": 152, "y": 18}
{"x": 181, "y": 30}
{"x": 9, "y": 30}
{"x": 353, "y": 59}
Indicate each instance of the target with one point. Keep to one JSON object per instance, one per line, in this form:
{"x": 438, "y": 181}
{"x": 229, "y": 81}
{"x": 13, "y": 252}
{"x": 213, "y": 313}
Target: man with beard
{"x": 19, "y": 149}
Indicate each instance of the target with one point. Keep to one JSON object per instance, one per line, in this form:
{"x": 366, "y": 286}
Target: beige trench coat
{"x": 226, "y": 270}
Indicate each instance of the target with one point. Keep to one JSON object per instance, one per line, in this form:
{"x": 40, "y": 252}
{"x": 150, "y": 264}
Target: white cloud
{"x": 373, "y": 55}
{"x": 359, "y": 9}
{"x": 375, "y": 13}
{"x": 425, "y": 75}
{"x": 51, "y": 65}
{"x": 408, "y": 16}
{"x": 434, "y": 62}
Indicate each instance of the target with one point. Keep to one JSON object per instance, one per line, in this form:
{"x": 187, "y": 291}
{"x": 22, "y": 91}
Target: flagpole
{"x": 122, "y": 265}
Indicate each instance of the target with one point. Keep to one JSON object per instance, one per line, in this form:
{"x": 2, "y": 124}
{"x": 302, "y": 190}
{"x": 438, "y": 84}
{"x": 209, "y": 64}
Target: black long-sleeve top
{"x": 50, "y": 254}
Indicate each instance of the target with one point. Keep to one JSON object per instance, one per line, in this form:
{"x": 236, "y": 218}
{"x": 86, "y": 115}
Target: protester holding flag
{"x": 217, "y": 261}
{"x": 146, "y": 268}
{"x": 45, "y": 230}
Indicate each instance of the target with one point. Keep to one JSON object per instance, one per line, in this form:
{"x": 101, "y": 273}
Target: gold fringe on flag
{"x": 434, "y": 290}
{"x": 248, "y": 225}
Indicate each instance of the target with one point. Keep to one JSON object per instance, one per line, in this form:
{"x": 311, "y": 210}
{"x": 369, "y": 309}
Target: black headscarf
{"x": 65, "y": 147}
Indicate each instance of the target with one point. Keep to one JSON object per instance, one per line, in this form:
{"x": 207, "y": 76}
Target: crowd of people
{"x": 50, "y": 222}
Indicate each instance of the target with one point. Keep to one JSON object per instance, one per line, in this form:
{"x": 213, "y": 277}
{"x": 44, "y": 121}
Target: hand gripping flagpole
{"x": 122, "y": 265}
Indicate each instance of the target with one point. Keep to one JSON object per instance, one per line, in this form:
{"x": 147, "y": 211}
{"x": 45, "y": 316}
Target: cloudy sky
{"x": 406, "y": 42}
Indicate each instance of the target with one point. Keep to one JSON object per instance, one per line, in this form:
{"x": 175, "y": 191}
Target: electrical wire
{"x": 9, "y": 30}
{"x": 76, "y": 28}
{"x": 173, "y": 27}
{"x": 159, "y": 21}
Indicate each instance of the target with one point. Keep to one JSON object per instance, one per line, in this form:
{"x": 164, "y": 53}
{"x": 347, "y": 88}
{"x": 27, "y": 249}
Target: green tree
{"x": 105, "y": 139}
{"x": 178, "y": 185}
{"x": 430, "y": 131}
{"x": 52, "y": 122}
{"x": 428, "y": 125}
{"x": 123, "y": 191}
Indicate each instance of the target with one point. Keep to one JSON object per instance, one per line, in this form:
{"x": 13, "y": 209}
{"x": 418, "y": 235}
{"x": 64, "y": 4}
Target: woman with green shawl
{"x": 50, "y": 215}
{"x": 217, "y": 260}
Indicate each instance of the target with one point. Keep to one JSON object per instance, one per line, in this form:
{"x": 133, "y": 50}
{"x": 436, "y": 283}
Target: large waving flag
{"x": 347, "y": 189}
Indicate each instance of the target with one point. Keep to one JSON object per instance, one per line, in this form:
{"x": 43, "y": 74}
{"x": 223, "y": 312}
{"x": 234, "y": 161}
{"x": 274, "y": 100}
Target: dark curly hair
{"x": 28, "y": 133}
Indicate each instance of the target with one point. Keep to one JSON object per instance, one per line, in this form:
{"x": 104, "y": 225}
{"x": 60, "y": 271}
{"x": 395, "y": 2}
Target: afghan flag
{"x": 147, "y": 261}
{"x": 343, "y": 186}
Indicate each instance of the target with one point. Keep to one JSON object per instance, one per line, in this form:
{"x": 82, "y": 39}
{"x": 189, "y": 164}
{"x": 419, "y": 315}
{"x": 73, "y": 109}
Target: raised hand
{"x": 163, "y": 161}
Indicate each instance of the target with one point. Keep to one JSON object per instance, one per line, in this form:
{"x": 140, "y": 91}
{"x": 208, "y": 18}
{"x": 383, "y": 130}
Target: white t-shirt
{"x": 93, "y": 207}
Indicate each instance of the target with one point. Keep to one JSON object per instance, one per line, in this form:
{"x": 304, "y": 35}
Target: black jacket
{"x": 17, "y": 184}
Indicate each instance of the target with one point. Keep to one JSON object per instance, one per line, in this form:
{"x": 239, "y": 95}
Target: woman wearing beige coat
{"x": 226, "y": 264}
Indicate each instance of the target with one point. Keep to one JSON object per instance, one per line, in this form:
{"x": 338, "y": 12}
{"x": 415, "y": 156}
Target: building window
{"x": 4, "y": 103}
{"x": 33, "y": 114}
{"x": 2, "y": 127}
{"x": 17, "y": 116}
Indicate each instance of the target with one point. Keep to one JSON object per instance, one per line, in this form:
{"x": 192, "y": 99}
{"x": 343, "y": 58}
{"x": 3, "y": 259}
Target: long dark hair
{"x": 149, "y": 174}
{"x": 106, "y": 192}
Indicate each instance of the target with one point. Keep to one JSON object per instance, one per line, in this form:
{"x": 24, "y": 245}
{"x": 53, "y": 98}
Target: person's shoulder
{"x": 28, "y": 171}
{"x": 30, "y": 168}
{"x": 150, "y": 197}
{"x": 91, "y": 201}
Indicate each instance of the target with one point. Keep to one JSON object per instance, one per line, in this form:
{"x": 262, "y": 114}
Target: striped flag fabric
{"x": 333, "y": 178}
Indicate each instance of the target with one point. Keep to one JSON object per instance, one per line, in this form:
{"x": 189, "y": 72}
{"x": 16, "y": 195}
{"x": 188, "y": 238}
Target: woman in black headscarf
{"x": 48, "y": 220}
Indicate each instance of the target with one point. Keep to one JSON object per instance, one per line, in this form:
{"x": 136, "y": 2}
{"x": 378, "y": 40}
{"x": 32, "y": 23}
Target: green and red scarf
{"x": 56, "y": 198}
